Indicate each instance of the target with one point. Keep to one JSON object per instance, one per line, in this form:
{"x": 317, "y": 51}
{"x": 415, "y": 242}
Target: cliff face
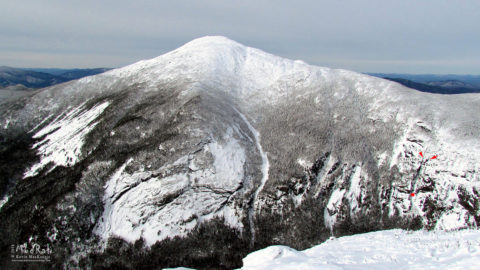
{"x": 215, "y": 149}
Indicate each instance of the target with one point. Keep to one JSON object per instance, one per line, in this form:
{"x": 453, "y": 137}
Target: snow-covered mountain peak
{"x": 217, "y": 61}
{"x": 210, "y": 41}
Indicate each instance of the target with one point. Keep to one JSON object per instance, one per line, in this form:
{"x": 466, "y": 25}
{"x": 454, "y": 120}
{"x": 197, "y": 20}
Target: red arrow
{"x": 434, "y": 157}
{"x": 421, "y": 154}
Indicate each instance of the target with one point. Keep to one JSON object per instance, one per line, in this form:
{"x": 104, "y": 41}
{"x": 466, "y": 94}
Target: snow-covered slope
{"x": 393, "y": 249}
{"x": 216, "y": 138}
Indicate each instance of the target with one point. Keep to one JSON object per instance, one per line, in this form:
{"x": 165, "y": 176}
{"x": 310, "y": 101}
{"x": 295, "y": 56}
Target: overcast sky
{"x": 407, "y": 36}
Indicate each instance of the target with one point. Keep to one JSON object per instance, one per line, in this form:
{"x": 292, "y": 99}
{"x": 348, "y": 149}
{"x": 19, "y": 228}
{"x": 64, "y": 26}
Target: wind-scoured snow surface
{"x": 393, "y": 249}
{"x": 62, "y": 140}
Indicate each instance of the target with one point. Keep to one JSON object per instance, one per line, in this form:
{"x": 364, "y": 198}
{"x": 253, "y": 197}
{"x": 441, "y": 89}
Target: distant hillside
{"x": 31, "y": 79}
{"x": 432, "y": 88}
{"x": 451, "y": 84}
{"x": 80, "y": 73}
{"x": 39, "y": 78}
{"x": 473, "y": 80}
{"x": 440, "y": 84}
{"x": 53, "y": 71}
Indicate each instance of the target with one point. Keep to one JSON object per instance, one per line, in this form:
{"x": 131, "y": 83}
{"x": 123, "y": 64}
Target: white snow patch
{"x": 231, "y": 217}
{"x": 382, "y": 158}
{"x": 228, "y": 162}
{"x": 331, "y": 211}
{"x": 321, "y": 175}
{"x": 355, "y": 190}
{"x": 41, "y": 123}
{"x": 453, "y": 220}
{"x": 64, "y": 138}
{"x": 3, "y": 201}
{"x": 305, "y": 164}
{"x": 392, "y": 249}
{"x": 266, "y": 256}
{"x": 7, "y": 123}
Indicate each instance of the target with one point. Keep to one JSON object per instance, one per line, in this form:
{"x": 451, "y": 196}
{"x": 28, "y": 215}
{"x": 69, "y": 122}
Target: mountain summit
{"x": 206, "y": 153}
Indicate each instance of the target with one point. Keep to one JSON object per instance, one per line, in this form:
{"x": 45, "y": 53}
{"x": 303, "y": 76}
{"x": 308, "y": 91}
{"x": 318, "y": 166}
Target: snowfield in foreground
{"x": 392, "y": 249}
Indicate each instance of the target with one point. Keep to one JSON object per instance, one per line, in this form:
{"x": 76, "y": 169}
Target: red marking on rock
{"x": 434, "y": 157}
{"x": 412, "y": 194}
{"x": 421, "y": 154}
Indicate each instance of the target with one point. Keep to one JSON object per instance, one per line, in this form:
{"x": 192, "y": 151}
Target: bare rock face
{"x": 201, "y": 155}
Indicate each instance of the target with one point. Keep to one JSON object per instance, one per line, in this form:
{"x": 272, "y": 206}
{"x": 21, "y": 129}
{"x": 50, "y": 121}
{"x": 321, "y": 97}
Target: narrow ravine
{"x": 265, "y": 168}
